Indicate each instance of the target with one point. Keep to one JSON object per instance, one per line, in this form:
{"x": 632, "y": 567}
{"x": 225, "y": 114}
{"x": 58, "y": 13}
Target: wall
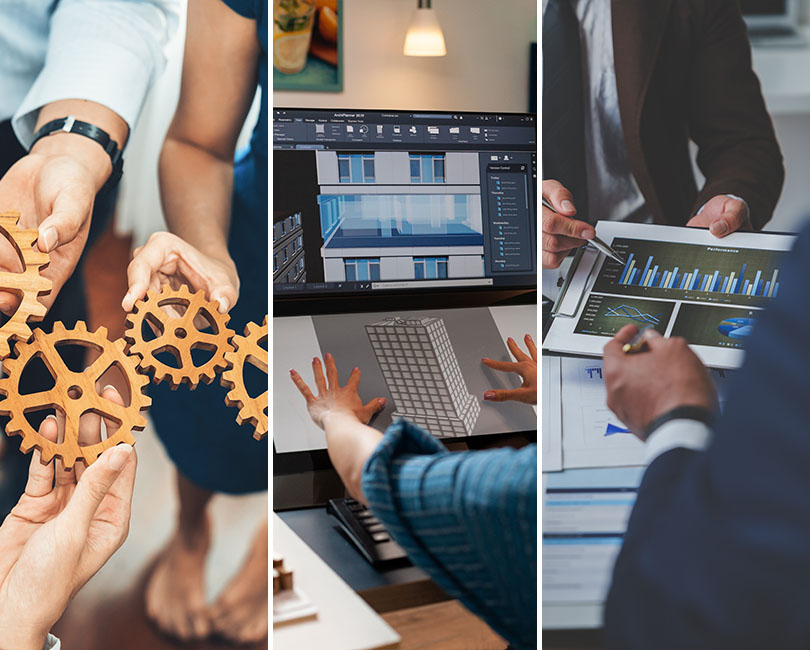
{"x": 486, "y": 67}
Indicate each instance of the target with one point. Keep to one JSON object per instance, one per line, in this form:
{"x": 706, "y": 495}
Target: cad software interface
{"x": 367, "y": 200}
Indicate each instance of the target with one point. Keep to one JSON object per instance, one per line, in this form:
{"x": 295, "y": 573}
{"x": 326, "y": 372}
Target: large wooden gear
{"x": 179, "y": 335}
{"x": 27, "y": 285}
{"x": 252, "y": 410}
{"x": 73, "y": 394}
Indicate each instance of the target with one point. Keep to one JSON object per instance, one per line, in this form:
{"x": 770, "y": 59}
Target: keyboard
{"x": 366, "y": 532}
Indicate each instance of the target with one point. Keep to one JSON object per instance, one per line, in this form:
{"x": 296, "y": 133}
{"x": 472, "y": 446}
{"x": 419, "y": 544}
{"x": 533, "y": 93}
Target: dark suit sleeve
{"x": 717, "y": 550}
{"x": 738, "y": 152}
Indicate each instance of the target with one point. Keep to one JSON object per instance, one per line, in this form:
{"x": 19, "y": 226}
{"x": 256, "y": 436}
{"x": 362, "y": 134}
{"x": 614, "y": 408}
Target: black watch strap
{"x": 699, "y": 413}
{"x": 70, "y": 124}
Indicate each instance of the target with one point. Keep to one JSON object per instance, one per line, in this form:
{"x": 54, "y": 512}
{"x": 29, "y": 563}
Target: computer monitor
{"x": 374, "y": 202}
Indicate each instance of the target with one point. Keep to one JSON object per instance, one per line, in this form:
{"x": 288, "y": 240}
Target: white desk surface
{"x": 344, "y": 620}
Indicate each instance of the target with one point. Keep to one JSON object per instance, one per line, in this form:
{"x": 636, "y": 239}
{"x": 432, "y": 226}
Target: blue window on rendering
{"x": 427, "y": 168}
{"x": 430, "y": 268}
{"x": 344, "y": 172}
{"x": 368, "y": 168}
{"x": 356, "y": 168}
{"x": 362, "y": 269}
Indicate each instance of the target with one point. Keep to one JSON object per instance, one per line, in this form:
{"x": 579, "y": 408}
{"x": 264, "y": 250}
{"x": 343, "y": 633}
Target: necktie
{"x": 563, "y": 103}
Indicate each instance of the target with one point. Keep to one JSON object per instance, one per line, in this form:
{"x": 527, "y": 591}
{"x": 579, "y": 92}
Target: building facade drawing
{"x": 399, "y": 215}
{"x": 288, "y": 248}
{"x": 423, "y": 376}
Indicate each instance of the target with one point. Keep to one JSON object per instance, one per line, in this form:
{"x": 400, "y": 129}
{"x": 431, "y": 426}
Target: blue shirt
{"x": 469, "y": 519}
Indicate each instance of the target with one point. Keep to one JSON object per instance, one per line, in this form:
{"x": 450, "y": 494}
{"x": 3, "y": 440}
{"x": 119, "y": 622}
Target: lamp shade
{"x": 424, "y": 37}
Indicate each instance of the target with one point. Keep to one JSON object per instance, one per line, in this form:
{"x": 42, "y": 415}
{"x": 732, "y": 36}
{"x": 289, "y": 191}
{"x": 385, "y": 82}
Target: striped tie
{"x": 563, "y": 111}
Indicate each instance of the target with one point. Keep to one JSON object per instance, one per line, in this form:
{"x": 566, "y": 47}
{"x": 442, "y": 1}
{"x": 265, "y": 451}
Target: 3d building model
{"x": 423, "y": 375}
{"x": 400, "y": 215}
{"x": 288, "y": 248}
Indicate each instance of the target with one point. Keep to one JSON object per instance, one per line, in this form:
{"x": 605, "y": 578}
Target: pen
{"x": 638, "y": 343}
{"x": 597, "y": 243}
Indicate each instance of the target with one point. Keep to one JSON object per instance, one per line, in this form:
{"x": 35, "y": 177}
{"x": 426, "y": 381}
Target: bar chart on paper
{"x": 692, "y": 272}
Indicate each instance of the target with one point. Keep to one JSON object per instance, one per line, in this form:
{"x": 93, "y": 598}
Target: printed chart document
{"x": 592, "y": 435}
{"x": 585, "y": 514}
{"x": 551, "y": 407}
{"x": 682, "y": 281}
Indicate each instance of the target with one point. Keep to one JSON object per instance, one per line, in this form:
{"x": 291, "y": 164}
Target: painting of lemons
{"x": 307, "y": 48}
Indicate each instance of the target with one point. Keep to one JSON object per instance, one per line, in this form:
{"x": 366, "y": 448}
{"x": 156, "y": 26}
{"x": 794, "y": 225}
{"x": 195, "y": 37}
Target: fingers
{"x": 557, "y": 224}
{"x": 552, "y": 260}
{"x": 40, "y": 476}
{"x": 331, "y": 371}
{"x": 354, "y": 379}
{"x": 90, "y": 426}
{"x": 530, "y": 346}
{"x": 226, "y": 295}
{"x": 302, "y": 386}
{"x": 622, "y": 337}
{"x": 733, "y": 217}
{"x": 320, "y": 381}
{"x": 71, "y": 209}
{"x": 560, "y": 243}
{"x": 94, "y": 485}
{"x": 515, "y": 394}
{"x": 559, "y": 197}
{"x": 519, "y": 354}
{"x": 374, "y": 406}
{"x": 503, "y": 366}
{"x": 139, "y": 273}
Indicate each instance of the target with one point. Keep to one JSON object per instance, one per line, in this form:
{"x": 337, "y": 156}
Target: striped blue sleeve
{"x": 469, "y": 519}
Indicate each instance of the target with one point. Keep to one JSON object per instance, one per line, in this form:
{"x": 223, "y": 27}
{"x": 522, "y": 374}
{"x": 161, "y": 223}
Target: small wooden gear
{"x": 248, "y": 350}
{"x": 27, "y": 285}
{"x": 73, "y": 393}
{"x": 179, "y": 335}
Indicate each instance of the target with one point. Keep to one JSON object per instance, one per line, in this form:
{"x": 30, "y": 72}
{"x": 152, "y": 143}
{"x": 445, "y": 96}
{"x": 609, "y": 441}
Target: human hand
{"x": 61, "y": 532}
{"x": 525, "y": 366}
{"x": 54, "y": 191}
{"x": 167, "y": 259}
{"x": 722, "y": 215}
{"x": 332, "y": 399}
{"x": 561, "y": 233}
{"x": 643, "y": 386}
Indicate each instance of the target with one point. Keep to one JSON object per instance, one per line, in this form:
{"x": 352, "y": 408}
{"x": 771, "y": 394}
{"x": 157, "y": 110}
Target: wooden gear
{"x": 179, "y": 335}
{"x": 28, "y": 285}
{"x": 252, "y": 410}
{"x": 74, "y": 393}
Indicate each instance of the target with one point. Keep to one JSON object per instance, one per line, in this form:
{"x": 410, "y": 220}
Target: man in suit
{"x": 717, "y": 549}
{"x": 626, "y": 85}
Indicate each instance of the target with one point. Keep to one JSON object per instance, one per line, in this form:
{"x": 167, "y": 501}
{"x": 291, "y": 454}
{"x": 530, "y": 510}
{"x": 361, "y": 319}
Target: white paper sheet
{"x": 551, "y": 409}
{"x": 706, "y": 289}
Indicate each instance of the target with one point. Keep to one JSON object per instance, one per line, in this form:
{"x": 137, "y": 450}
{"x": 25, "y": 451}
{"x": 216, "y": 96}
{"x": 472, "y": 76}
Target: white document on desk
{"x": 592, "y": 435}
{"x": 551, "y": 407}
{"x": 682, "y": 281}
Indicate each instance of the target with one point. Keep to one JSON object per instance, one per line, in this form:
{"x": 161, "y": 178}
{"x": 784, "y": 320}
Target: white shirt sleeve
{"x": 107, "y": 52}
{"x": 52, "y": 643}
{"x": 682, "y": 433}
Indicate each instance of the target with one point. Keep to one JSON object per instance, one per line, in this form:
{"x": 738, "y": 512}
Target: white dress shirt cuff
{"x": 675, "y": 434}
{"x": 52, "y": 643}
{"x": 87, "y": 72}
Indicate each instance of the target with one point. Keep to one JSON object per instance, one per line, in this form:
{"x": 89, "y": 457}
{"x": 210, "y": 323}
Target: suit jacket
{"x": 717, "y": 550}
{"x": 683, "y": 71}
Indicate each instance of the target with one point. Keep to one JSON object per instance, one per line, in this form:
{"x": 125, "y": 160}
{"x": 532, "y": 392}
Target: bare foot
{"x": 175, "y": 594}
{"x": 240, "y": 613}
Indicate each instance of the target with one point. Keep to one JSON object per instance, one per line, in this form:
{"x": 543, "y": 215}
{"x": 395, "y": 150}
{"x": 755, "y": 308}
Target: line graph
{"x": 633, "y": 313}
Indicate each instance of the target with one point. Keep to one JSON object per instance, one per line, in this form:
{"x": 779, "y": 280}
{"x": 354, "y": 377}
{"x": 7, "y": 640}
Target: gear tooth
{"x": 265, "y": 320}
{"x": 47, "y": 454}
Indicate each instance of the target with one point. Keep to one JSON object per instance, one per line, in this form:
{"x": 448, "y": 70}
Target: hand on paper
{"x": 722, "y": 215}
{"x": 167, "y": 259}
{"x": 61, "y": 532}
{"x": 332, "y": 398}
{"x": 524, "y": 365}
{"x": 561, "y": 232}
{"x": 647, "y": 384}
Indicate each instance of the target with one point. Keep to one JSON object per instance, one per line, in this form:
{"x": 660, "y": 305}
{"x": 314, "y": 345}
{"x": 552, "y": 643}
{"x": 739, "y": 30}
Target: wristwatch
{"x": 70, "y": 124}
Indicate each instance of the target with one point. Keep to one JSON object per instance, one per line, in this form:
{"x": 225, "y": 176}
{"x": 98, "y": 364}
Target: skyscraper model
{"x": 423, "y": 375}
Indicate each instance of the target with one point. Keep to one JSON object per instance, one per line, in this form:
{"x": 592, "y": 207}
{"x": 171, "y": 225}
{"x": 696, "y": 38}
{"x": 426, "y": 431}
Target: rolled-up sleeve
{"x": 469, "y": 519}
{"x": 109, "y": 52}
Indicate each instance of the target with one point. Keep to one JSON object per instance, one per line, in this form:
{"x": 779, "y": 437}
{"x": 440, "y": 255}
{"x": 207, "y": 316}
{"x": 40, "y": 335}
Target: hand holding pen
{"x": 562, "y": 233}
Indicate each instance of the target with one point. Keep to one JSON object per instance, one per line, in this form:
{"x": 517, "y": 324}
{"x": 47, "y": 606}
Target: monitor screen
{"x": 392, "y": 201}
{"x": 764, "y": 7}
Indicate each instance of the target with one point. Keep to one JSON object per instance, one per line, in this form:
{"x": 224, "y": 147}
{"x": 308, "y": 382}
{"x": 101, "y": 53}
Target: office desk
{"x": 385, "y": 591}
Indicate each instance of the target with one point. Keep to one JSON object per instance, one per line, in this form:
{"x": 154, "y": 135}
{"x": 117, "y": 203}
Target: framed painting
{"x": 308, "y": 45}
